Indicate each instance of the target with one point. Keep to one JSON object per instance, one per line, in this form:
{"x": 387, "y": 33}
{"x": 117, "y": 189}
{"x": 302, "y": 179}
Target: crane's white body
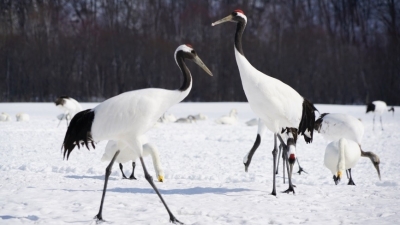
{"x": 274, "y": 102}
{"x": 22, "y": 117}
{"x": 228, "y": 119}
{"x": 167, "y": 118}
{"x": 189, "y": 119}
{"x": 200, "y": 116}
{"x": 252, "y": 122}
{"x": 341, "y": 155}
{"x": 125, "y": 156}
{"x": 337, "y": 125}
{"x": 70, "y": 106}
{"x": 4, "y": 117}
{"x": 380, "y": 107}
{"x": 142, "y": 108}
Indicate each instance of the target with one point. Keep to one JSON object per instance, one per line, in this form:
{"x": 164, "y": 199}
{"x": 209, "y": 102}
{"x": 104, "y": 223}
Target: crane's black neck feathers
{"x": 307, "y": 120}
{"x": 370, "y": 107}
{"x": 79, "y": 132}
{"x": 61, "y": 100}
{"x": 238, "y": 36}
{"x": 187, "y": 78}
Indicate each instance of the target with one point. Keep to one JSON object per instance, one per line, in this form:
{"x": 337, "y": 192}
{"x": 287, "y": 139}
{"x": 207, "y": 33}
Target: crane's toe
{"x": 174, "y": 220}
{"x": 290, "y": 189}
{"x": 99, "y": 219}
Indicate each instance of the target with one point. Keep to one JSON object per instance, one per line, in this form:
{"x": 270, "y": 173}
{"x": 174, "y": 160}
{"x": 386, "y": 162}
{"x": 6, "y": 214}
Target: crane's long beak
{"x": 377, "y": 169}
{"x": 198, "y": 61}
{"x": 226, "y": 19}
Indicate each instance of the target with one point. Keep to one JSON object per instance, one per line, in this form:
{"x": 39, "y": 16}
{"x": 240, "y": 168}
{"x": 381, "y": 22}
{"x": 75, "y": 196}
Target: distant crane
{"x": 125, "y": 118}
{"x": 343, "y": 155}
{"x": 228, "y": 119}
{"x": 378, "y": 108}
{"x": 69, "y": 106}
{"x": 276, "y": 104}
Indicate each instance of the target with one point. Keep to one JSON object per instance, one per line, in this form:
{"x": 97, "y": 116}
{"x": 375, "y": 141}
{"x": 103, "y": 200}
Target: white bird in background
{"x": 252, "y": 122}
{"x": 276, "y": 104}
{"x": 189, "y": 119}
{"x": 167, "y": 118}
{"x": 4, "y": 117}
{"x": 378, "y": 108}
{"x": 228, "y": 119}
{"x": 200, "y": 116}
{"x": 125, "y": 156}
{"x": 343, "y": 154}
{"x": 22, "y": 117}
{"x": 125, "y": 118}
{"x": 69, "y": 106}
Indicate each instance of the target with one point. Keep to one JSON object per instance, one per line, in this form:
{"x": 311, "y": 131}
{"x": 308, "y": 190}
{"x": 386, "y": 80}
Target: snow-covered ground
{"x": 205, "y": 181}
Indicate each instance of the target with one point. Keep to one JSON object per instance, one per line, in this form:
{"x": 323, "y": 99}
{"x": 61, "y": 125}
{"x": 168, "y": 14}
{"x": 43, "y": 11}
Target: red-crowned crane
{"x": 343, "y": 154}
{"x": 125, "y": 118}
{"x": 69, "y": 106}
{"x": 276, "y": 104}
{"x": 334, "y": 126}
{"x": 378, "y": 108}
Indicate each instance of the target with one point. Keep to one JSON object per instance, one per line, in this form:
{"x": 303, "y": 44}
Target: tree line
{"x": 330, "y": 51}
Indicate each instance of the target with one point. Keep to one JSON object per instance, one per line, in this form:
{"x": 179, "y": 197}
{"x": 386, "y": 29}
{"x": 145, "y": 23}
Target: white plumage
{"x": 252, "y": 122}
{"x": 333, "y": 126}
{"x": 201, "y": 116}
{"x": 125, "y": 118}
{"x": 22, "y": 117}
{"x": 378, "y": 108}
{"x": 148, "y": 149}
{"x": 4, "y": 117}
{"x": 343, "y": 154}
{"x": 189, "y": 119}
{"x": 228, "y": 119}
{"x": 68, "y": 106}
{"x": 276, "y": 104}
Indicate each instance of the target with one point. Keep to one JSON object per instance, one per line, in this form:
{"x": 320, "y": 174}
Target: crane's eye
{"x": 193, "y": 52}
{"x": 234, "y": 14}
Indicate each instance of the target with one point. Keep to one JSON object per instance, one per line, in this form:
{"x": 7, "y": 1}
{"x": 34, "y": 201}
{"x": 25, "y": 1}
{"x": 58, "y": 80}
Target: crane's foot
{"x": 351, "y": 182}
{"x": 301, "y": 170}
{"x": 290, "y": 189}
{"x": 273, "y": 192}
{"x": 174, "y": 220}
{"x": 99, "y": 219}
{"x": 132, "y": 178}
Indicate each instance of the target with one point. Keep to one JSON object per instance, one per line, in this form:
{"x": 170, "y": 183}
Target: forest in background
{"x": 330, "y": 51}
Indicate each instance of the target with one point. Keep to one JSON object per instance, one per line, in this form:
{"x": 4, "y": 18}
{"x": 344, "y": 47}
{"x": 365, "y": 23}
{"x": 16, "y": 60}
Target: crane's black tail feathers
{"x": 79, "y": 131}
{"x": 307, "y": 121}
{"x": 318, "y": 122}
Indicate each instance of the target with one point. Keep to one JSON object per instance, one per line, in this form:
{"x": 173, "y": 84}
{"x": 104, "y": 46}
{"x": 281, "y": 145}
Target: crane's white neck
{"x": 342, "y": 164}
{"x": 149, "y": 149}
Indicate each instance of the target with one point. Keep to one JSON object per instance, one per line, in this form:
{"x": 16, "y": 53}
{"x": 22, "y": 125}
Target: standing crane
{"x": 125, "y": 118}
{"x": 276, "y": 104}
{"x": 378, "y": 108}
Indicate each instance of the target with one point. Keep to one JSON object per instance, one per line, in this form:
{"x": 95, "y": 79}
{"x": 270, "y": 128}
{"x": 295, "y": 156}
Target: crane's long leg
{"x": 285, "y": 153}
{"x": 381, "y": 122}
{"x": 99, "y": 216}
{"x": 351, "y": 182}
{"x": 172, "y": 218}
{"x": 373, "y": 123}
{"x": 251, "y": 152}
{"x": 274, "y": 152}
{"x": 121, "y": 167}
{"x": 300, "y": 168}
{"x": 283, "y": 167}
{"x": 279, "y": 153}
{"x": 132, "y": 177}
